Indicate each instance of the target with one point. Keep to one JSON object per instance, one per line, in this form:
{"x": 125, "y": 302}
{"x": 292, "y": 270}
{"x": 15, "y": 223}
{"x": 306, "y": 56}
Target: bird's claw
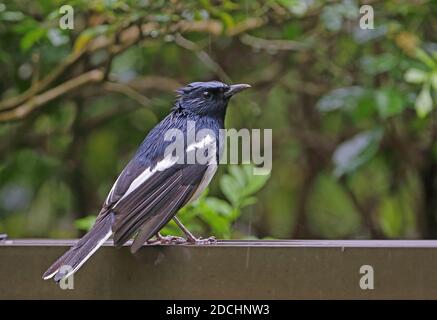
{"x": 200, "y": 241}
{"x": 179, "y": 240}
{"x": 167, "y": 240}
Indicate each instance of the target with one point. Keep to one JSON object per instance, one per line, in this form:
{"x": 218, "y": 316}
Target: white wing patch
{"x": 107, "y": 201}
{"x": 165, "y": 163}
{"x": 206, "y": 141}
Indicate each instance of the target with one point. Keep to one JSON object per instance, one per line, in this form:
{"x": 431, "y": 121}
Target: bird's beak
{"x": 235, "y": 88}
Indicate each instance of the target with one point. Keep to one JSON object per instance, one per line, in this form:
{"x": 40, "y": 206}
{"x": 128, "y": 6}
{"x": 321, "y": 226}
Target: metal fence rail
{"x": 295, "y": 269}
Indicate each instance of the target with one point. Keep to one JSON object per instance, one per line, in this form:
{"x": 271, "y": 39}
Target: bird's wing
{"x": 171, "y": 203}
{"x": 147, "y": 194}
{"x": 151, "y": 203}
{"x": 149, "y": 156}
{"x": 133, "y": 169}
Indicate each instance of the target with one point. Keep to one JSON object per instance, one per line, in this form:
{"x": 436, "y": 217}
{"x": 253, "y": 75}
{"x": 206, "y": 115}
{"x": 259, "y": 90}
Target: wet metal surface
{"x": 288, "y": 269}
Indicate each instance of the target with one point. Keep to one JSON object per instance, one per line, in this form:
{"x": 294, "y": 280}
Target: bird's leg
{"x": 190, "y": 237}
{"x": 166, "y": 239}
{"x": 154, "y": 240}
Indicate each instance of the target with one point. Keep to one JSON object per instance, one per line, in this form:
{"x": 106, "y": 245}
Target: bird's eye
{"x": 207, "y": 95}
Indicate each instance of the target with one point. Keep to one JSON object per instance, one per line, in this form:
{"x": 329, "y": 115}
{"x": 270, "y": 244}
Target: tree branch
{"x": 127, "y": 91}
{"x": 276, "y": 45}
{"x": 42, "y": 84}
{"x": 26, "y": 102}
{"x": 35, "y": 102}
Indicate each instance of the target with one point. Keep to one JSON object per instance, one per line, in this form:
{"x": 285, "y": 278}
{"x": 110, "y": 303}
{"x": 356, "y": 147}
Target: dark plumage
{"x": 153, "y": 187}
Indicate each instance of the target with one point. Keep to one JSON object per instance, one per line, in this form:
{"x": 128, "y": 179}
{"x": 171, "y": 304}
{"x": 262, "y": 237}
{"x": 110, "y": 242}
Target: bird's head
{"x": 207, "y": 98}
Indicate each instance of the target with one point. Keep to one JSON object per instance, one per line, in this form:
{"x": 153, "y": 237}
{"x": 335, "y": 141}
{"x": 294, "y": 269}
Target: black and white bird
{"x": 156, "y": 183}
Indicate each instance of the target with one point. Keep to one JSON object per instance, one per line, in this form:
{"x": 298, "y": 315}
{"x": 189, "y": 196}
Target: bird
{"x": 156, "y": 183}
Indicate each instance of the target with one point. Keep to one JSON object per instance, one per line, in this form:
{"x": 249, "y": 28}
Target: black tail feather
{"x": 82, "y": 250}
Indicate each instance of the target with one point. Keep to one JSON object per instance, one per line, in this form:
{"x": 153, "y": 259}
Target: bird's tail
{"x": 74, "y": 258}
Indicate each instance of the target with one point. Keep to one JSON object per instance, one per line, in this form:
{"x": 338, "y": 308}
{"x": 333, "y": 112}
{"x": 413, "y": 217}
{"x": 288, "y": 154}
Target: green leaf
{"x": 391, "y": 217}
{"x": 241, "y": 183}
{"x": 377, "y": 64}
{"x": 425, "y": 58}
{"x": 389, "y": 102}
{"x": 230, "y": 188}
{"x": 254, "y": 182}
{"x": 85, "y": 223}
{"x": 331, "y": 212}
{"x": 31, "y": 37}
{"x": 219, "y": 206}
{"x": 227, "y": 19}
{"x": 238, "y": 174}
{"x": 248, "y": 201}
{"x": 356, "y": 151}
{"x": 347, "y": 97}
{"x": 423, "y": 103}
{"x": 87, "y": 35}
{"x": 219, "y": 225}
{"x": 414, "y": 75}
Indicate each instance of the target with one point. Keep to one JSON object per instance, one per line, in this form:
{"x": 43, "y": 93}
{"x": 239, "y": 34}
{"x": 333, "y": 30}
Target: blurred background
{"x": 352, "y": 111}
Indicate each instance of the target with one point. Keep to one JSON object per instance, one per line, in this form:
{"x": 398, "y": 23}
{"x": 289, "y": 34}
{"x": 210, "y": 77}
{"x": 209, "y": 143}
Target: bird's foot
{"x": 172, "y": 240}
{"x": 160, "y": 239}
{"x": 191, "y": 239}
{"x": 200, "y": 241}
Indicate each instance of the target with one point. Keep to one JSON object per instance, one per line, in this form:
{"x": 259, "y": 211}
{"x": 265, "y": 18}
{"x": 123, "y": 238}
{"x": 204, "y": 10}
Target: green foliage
{"x": 353, "y": 153}
{"x": 389, "y": 102}
{"x": 428, "y": 80}
{"x": 344, "y": 104}
{"x": 85, "y": 223}
{"x": 347, "y": 98}
{"x": 334, "y": 15}
{"x": 332, "y": 213}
